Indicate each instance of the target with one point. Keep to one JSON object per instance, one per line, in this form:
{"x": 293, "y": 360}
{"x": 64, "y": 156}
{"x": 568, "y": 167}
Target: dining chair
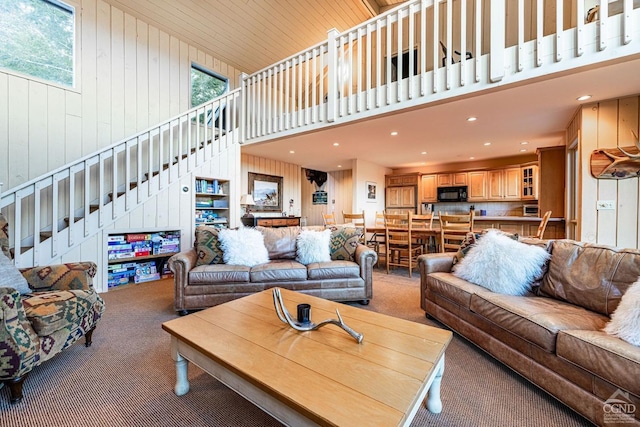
{"x": 422, "y": 225}
{"x": 377, "y": 239}
{"x": 543, "y": 225}
{"x": 401, "y": 251}
{"x": 358, "y": 221}
{"x": 453, "y": 229}
{"x": 328, "y": 219}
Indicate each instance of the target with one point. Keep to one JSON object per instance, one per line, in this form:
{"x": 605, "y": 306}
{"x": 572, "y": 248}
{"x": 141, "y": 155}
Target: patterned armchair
{"x": 59, "y": 308}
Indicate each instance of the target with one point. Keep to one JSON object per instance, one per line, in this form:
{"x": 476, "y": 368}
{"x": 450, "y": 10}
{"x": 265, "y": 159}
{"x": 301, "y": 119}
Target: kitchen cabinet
{"x": 529, "y": 176}
{"x": 477, "y": 186}
{"x": 504, "y": 184}
{"x": 429, "y": 188}
{"x": 551, "y": 180}
{"x": 401, "y": 197}
{"x": 452, "y": 179}
{"x": 402, "y": 180}
{"x": 521, "y": 226}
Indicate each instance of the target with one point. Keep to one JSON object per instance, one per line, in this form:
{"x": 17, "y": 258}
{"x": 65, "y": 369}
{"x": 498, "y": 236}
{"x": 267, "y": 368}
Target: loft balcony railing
{"x": 417, "y": 53}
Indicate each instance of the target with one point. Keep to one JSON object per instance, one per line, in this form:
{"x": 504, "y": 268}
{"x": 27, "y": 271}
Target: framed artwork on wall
{"x": 372, "y": 191}
{"x": 266, "y": 191}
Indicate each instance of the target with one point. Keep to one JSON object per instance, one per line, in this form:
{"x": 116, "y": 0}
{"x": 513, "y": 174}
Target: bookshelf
{"x": 137, "y": 256}
{"x": 212, "y": 202}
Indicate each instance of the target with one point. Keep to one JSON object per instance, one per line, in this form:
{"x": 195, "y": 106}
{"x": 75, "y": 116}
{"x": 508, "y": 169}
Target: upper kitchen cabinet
{"x": 402, "y": 180}
{"x": 529, "y": 176}
{"x": 477, "y": 186}
{"x": 452, "y": 179}
{"x": 429, "y": 191}
{"x": 504, "y": 184}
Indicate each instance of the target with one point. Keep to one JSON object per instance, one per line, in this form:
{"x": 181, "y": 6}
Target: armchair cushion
{"x": 60, "y": 277}
{"x": 51, "y": 311}
{"x": 10, "y": 277}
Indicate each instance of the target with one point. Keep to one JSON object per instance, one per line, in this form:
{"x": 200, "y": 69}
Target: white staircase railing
{"x": 55, "y": 212}
{"x": 413, "y": 54}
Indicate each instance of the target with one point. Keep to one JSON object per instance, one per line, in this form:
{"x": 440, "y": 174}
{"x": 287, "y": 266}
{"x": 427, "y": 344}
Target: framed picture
{"x": 372, "y": 191}
{"x": 266, "y": 191}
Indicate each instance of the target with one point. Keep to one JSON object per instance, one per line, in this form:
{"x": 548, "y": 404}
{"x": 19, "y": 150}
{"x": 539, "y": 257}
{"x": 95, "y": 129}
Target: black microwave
{"x": 452, "y": 194}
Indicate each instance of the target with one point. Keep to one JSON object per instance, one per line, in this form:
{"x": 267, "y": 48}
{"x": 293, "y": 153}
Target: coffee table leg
{"x": 182, "y": 383}
{"x": 434, "y": 404}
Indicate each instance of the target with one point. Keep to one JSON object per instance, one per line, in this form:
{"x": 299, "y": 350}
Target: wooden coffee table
{"x": 318, "y": 377}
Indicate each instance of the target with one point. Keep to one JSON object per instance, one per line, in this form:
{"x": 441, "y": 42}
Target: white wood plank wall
{"x": 131, "y": 76}
{"x": 604, "y": 125}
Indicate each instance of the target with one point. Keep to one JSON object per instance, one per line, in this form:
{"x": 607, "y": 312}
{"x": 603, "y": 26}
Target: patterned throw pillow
{"x": 208, "y": 246}
{"x": 4, "y": 236}
{"x": 344, "y": 241}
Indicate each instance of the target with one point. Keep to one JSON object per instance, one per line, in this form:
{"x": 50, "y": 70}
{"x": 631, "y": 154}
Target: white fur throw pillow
{"x": 501, "y": 264}
{"x": 625, "y": 320}
{"x": 244, "y": 246}
{"x": 313, "y": 246}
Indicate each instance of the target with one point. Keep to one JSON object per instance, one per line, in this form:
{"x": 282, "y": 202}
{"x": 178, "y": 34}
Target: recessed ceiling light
{"x": 523, "y": 150}
{"x": 583, "y": 98}
{"x": 424, "y": 152}
{"x": 394, "y": 133}
{"x": 524, "y": 142}
{"x": 335, "y": 144}
{"x": 471, "y": 158}
{"x": 291, "y": 152}
{"x": 339, "y": 166}
{"x": 487, "y": 144}
{"x": 472, "y": 119}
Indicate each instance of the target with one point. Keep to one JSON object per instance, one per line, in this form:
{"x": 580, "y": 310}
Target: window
{"x": 38, "y": 39}
{"x": 205, "y": 85}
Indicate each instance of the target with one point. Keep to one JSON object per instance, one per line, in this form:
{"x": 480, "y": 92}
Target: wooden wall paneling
{"x": 37, "y": 128}
{"x": 103, "y": 75}
{"x": 164, "y": 82}
{"x": 174, "y": 76}
{"x": 588, "y": 184}
{"x": 607, "y": 188}
{"x": 150, "y": 215}
{"x": 136, "y": 216}
{"x": 18, "y": 153}
{"x": 117, "y": 75}
{"x": 163, "y": 207}
{"x": 4, "y": 131}
{"x": 185, "y": 76}
{"x": 153, "y": 114}
{"x": 88, "y": 77}
{"x": 627, "y": 197}
{"x": 130, "y": 73}
{"x": 142, "y": 75}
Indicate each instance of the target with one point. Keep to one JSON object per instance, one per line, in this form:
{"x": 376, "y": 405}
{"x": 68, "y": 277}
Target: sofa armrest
{"x": 180, "y": 264}
{"x": 432, "y": 263}
{"x": 366, "y": 259}
{"x": 61, "y": 277}
{"x": 17, "y": 337}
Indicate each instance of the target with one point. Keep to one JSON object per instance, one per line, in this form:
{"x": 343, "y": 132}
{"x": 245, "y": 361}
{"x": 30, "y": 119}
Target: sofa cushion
{"x": 218, "y": 273}
{"x": 608, "y": 357}
{"x": 344, "y": 241}
{"x": 535, "y": 319}
{"x": 278, "y": 270}
{"x": 280, "y": 241}
{"x": 52, "y": 311}
{"x": 208, "y": 246}
{"x": 333, "y": 270}
{"x": 453, "y": 288}
{"x": 589, "y": 275}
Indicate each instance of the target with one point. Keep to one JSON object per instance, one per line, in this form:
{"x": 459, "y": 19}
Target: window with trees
{"x": 38, "y": 39}
{"x": 205, "y": 85}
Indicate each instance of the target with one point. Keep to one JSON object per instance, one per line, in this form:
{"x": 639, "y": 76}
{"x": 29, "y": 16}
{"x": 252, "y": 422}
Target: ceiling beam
{"x": 371, "y": 6}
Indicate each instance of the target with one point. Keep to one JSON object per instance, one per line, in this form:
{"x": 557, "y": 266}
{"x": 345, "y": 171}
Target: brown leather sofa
{"x": 202, "y": 286}
{"x": 553, "y": 337}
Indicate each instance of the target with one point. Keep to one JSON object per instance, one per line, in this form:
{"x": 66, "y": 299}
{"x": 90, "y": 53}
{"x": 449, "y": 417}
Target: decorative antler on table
{"x": 285, "y": 317}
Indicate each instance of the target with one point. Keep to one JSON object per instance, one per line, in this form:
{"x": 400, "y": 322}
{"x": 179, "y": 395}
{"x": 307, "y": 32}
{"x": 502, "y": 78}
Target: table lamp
{"x": 246, "y": 200}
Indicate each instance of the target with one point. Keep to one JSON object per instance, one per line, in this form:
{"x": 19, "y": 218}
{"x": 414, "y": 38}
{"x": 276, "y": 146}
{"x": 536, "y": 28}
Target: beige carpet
{"x": 126, "y": 377}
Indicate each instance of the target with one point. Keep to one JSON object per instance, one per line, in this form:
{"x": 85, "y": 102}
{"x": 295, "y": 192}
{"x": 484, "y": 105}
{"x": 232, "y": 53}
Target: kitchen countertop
{"x": 514, "y": 218}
